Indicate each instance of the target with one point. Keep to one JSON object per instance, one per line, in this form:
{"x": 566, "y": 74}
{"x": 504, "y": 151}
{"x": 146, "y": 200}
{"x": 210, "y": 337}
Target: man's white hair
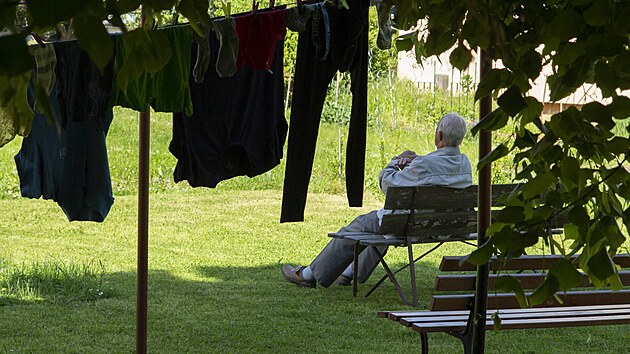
{"x": 453, "y": 128}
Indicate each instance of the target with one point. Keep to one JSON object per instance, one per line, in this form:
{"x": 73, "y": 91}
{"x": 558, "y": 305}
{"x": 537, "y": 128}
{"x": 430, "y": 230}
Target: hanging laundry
{"x": 257, "y": 37}
{"x": 166, "y": 90}
{"x": 67, "y": 161}
{"x": 203, "y": 53}
{"x": 46, "y": 60}
{"x": 40, "y": 159}
{"x": 19, "y": 122}
{"x": 298, "y": 17}
{"x": 385, "y": 30}
{"x": 238, "y": 125}
{"x": 225, "y": 30}
{"x": 340, "y": 38}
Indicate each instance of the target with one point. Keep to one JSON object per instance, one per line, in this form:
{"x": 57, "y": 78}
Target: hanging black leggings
{"x": 348, "y": 52}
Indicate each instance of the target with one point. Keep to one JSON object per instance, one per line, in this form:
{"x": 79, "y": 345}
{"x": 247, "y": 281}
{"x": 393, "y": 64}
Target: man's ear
{"x": 440, "y": 135}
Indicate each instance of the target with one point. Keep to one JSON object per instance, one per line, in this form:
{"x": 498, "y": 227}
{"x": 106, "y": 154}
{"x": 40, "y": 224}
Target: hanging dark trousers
{"x": 345, "y": 47}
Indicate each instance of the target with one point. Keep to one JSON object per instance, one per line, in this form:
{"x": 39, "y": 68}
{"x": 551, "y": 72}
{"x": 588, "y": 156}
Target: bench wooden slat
{"x": 397, "y": 315}
{"x": 409, "y": 321}
{"x": 451, "y": 263}
{"x": 436, "y": 197}
{"x": 528, "y": 281}
{"x": 528, "y": 323}
{"x": 501, "y": 301}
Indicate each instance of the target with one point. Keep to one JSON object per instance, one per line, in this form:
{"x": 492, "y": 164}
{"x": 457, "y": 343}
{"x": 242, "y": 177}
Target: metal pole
{"x": 143, "y": 226}
{"x": 484, "y": 203}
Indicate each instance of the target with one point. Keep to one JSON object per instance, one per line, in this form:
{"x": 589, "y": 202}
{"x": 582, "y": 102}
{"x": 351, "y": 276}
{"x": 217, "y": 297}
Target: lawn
{"x": 215, "y": 257}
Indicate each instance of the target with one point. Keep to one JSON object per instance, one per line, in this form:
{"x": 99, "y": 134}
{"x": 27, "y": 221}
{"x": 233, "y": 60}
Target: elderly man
{"x": 446, "y": 166}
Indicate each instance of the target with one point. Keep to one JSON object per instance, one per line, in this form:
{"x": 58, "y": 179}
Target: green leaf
{"x": 565, "y": 124}
{"x": 511, "y": 101}
{"x": 479, "y": 256}
{"x": 544, "y": 291}
{"x": 16, "y": 116}
{"x": 531, "y": 64}
{"x": 601, "y": 265}
{"x": 622, "y": 65}
{"x": 492, "y": 80}
{"x": 496, "y": 320}
{"x": 533, "y": 110}
{"x": 570, "y": 170}
{"x": 94, "y": 39}
{"x": 512, "y": 242}
{"x": 460, "y": 57}
{"x": 571, "y": 232}
{"x": 15, "y": 58}
{"x": 538, "y": 185}
{"x": 568, "y": 53}
{"x": 565, "y": 273}
{"x": 620, "y": 107}
{"x": 598, "y": 14}
{"x": 566, "y": 25}
{"x": 403, "y": 44}
{"x": 597, "y": 112}
{"x": 525, "y": 139}
{"x": 618, "y": 145}
{"x": 160, "y": 5}
{"x": 606, "y": 79}
{"x": 125, "y": 6}
{"x": 195, "y": 11}
{"x": 47, "y": 13}
{"x": 511, "y": 214}
{"x": 439, "y": 40}
{"x": 495, "y": 120}
{"x": 497, "y": 153}
{"x": 508, "y": 283}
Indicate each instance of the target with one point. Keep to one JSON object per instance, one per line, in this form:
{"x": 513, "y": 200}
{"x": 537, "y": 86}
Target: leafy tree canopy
{"x": 576, "y": 160}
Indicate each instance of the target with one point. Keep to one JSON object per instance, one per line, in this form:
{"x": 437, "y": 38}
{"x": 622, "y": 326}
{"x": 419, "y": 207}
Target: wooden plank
{"x": 504, "y": 301}
{"x": 397, "y": 315}
{"x": 383, "y": 242}
{"x": 528, "y": 262}
{"x": 437, "y": 197}
{"x": 529, "y": 323}
{"x": 528, "y": 281}
{"x": 409, "y": 321}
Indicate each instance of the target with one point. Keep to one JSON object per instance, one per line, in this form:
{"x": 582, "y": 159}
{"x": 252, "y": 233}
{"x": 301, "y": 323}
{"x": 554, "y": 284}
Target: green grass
{"x": 215, "y": 283}
{"x": 215, "y": 257}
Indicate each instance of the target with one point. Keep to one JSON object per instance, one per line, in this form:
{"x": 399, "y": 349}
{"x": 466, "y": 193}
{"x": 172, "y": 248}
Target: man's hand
{"x": 405, "y": 158}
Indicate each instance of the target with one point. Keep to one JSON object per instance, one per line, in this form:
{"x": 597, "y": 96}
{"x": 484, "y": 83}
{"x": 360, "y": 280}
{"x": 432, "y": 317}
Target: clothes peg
{"x": 254, "y": 7}
{"x": 38, "y": 39}
{"x": 272, "y": 4}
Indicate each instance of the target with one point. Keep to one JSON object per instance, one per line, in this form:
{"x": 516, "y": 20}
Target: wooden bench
{"x": 450, "y": 313}
{"x": 426, "y": 214}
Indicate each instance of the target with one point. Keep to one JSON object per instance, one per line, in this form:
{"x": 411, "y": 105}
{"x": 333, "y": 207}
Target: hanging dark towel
{"x": 348, "y": 40}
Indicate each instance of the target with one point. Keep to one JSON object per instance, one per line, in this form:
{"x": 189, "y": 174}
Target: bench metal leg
{"x": 412, "y": 272}
{"x": 425, "y": 342}
{"x": 392, "y": 277}
{"x": 355, "y": 270}
{"x": 380, "y": 281}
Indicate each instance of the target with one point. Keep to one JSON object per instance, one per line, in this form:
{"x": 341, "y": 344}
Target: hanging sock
{"x": 297, "y": 18}
{"x": 225, "y": 30}
{"x": 385, "y": 31}
{"x": 203, "y": 54}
